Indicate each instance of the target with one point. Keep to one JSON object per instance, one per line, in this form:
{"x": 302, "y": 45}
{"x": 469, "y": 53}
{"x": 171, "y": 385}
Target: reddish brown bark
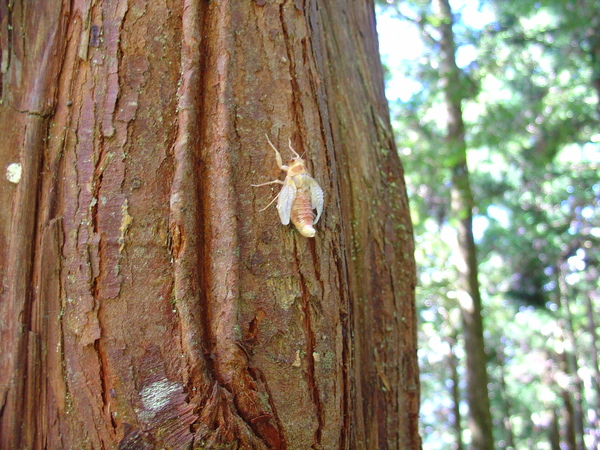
{"x": 146, "y": 301}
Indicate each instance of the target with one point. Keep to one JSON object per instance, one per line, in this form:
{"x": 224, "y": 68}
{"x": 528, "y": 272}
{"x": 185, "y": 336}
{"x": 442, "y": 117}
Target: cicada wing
{"x": 317, "y": 198}
{"x": 286, "y": 200}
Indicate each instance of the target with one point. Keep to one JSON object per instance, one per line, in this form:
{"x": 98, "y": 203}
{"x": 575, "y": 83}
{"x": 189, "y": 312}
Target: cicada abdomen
{"x": 302, "y": 214}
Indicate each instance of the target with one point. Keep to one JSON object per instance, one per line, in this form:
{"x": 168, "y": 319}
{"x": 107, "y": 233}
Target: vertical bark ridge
{"x": 16, "y": 342}
{"x": 220, "y": 246}
{"x": 187, "y": 225}
{"x": 32, "y": 64}
{"x": 184, "y": 221}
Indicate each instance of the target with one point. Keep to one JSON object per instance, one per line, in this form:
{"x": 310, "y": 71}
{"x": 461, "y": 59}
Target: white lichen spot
{"x": 297, "y": 362}
{"x": 156, "y": 395}
{"x": 13, "y": 172}
{"x": 316, "y": 357}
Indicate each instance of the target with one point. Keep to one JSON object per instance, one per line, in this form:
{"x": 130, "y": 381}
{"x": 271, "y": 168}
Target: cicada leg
{"x": 277, "y": 155}
{"x": 264, "y": 184}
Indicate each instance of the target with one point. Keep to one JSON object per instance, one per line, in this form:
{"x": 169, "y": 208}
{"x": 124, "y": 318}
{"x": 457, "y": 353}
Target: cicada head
{"x": 296, "y": 166}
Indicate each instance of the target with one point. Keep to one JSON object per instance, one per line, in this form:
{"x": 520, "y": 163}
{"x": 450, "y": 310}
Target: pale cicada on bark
{"x": 299, "y": 196}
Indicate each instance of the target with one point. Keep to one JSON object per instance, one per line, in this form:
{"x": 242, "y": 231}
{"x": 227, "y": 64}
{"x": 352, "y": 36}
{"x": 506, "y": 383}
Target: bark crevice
{"x": 310, "y": 362}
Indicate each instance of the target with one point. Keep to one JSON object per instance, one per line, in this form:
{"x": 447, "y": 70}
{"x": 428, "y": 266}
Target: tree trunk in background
{"x": 146, "y": 300}
{"x": 568, "y": 415}
{"x": 554, "y": 431}
{"x": 593, "y": 298}
{"x": 571, "y": 366}
{"x": 506, "y": 409}
{"x": 480, "y": 420}
{"x": 452, "y": 362}
{"x": 590, "y": 42}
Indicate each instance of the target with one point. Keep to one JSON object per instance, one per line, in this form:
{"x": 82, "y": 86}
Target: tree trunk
{"x": 480, "y": 420}
{"x": 593, "y": 298}
{"x": 509, "y": 437}
{"x": 568, "y": 414}
{"x": 554, "y": 431}
{"x": 590, "y": 43}
{"x": 571, "y": 365}
{"x": 146, "y": 300}
{"x": 452, "y": 363}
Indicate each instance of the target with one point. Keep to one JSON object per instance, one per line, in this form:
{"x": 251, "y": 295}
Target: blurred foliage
{"x": 533, "y": 131}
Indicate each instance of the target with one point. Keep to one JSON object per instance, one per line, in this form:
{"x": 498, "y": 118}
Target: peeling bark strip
{"x": 148, "y": 303}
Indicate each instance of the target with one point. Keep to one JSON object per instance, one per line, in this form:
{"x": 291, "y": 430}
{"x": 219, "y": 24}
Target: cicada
{"x": 299, "y": 196}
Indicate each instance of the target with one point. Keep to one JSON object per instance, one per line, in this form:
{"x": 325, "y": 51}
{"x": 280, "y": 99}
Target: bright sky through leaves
{"x": 401, "y": 41}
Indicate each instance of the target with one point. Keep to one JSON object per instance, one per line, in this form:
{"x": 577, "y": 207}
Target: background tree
{"x": 465, "y": 254}
{"x": 531, "y": 129}
{"x": 146, "y": 301}
{"x": 448, "y": 91}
